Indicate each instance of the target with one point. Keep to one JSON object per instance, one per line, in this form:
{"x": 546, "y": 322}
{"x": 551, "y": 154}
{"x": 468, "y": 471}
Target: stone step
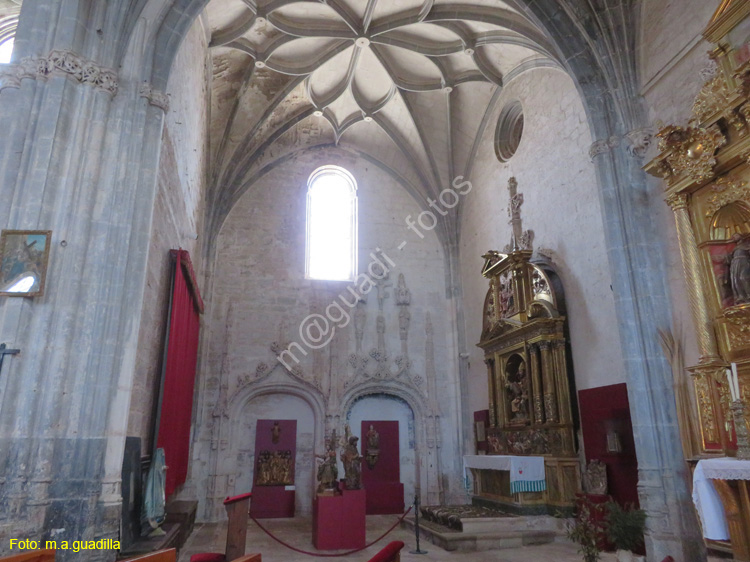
{"x": 493, "y": 533}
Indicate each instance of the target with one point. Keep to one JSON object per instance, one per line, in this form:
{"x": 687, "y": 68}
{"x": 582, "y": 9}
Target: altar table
{"x": 526, "y": 473}
{"x": 721, "y": 498}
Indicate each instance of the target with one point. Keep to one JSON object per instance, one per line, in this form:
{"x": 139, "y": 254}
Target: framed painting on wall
{"x": 23, "y": 262}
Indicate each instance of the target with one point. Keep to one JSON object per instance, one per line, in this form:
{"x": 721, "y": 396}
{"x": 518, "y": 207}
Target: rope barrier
{"x": 381, "y": 537}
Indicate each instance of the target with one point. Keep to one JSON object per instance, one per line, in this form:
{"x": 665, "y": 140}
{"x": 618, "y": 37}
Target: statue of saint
{"x": 352, "y": 464}
{"x": 516, "y": 385}
{"x": 739, "y": 269}
{"x": 328, "y": 473}
{"x": 373, "y": 447}
{"x": 275, "y": 432}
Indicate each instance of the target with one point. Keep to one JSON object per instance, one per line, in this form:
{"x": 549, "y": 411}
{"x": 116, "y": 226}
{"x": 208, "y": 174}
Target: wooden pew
{"x": 31, "y": 556}
{"x": 248, "y": 558}
{"x": 169, "y": 555}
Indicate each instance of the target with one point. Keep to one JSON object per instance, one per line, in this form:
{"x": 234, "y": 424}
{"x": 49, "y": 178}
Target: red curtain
{"x": 179, "y": 374}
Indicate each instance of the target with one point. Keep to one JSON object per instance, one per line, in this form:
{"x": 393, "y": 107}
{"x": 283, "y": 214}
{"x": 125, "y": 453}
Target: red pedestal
{"x": 385, "y": 498}
{"x": 339, "y": 521}
{"x": 271, "y": 502}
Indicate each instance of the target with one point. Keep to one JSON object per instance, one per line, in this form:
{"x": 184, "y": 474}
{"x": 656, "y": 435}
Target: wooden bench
{"x": 31, "y": 556}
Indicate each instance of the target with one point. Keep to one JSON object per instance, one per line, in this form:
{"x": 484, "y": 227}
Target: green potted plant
{"x": 586, "y": 533}
{"x": 625, "y": 528}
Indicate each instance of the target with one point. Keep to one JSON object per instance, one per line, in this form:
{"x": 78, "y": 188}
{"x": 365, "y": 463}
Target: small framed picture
{"x": 23, "y": 262}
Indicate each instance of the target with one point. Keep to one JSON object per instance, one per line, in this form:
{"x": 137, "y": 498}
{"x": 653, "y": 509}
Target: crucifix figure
{"x": 521, "y": 240}
{"x": 5, "y": 351}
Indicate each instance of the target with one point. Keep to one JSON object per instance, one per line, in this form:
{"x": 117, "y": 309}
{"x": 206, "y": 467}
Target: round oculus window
{"x": 509, "y": 131}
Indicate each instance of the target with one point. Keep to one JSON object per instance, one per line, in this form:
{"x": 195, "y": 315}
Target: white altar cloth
{"x": 526, "y": 473}
{"x": 706, "y": 498}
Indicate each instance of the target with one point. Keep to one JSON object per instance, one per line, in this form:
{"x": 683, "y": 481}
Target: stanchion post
{"x": 416, "y": 525}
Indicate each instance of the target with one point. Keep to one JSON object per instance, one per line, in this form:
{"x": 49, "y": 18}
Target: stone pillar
{"x": 643, "y": 306}
{"x": 536, "y": 381}
{"x": 548, "y": 376}
{"x": 78, "y": 157}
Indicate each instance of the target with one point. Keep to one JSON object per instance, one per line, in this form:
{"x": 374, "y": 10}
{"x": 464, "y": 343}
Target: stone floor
{"x": 298, "y": 533}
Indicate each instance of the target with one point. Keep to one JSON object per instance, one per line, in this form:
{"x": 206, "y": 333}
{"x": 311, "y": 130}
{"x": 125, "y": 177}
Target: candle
{"x": 730, "y": 382}
{"x": 736, "y": 380}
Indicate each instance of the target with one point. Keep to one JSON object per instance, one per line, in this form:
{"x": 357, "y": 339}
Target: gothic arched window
{"x": 331, "y": 225}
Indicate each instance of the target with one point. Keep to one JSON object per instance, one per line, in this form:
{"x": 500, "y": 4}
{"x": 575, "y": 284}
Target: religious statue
{"x": 328, "y": 471}
{"x": 274, "y": 469}
{"x": 507, "y": 306}
{"x": 516, "y": 384}
{"x": 372, "y": 453}
{"x": 275, "y": 432}
{"x": 352, "y": 462}
{"x": 739, "y": 269}
{"x": 595, "y": 478}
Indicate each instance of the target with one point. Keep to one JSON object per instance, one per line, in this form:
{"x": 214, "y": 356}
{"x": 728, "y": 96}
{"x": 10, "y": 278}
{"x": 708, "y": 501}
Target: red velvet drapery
{"x": 179, "y": 376}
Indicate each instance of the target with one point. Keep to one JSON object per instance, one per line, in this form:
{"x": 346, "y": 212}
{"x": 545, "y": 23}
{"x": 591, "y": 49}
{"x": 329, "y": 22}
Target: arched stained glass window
{"x": 331, "y": 224}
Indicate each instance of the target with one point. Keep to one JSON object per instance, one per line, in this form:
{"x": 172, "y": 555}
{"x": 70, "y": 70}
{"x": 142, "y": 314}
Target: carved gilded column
{"x": 536, "y": 383}
{"x": 563, "y": 390}
{"x": 548, "y": 375}
{"x": 501, "y": 416}
{"x": 691, "y": 265}
{"x": 491, "y": 386}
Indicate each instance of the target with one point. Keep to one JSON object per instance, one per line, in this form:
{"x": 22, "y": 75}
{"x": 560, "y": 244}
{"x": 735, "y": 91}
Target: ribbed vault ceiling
{"x": 406, "y": 82}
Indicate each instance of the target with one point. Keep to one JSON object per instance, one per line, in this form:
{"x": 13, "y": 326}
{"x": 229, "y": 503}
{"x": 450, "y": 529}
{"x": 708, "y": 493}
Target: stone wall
{"x": 561, "y": 206}
{"x": 260, "y": 297}
{"x": 178, "y": 215}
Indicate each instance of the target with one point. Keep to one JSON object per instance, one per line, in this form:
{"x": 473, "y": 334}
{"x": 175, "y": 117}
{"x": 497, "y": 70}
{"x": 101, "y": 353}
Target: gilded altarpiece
{"x": 707, "y": 185}
{"x": 706, "y": 169}
{"x": 529, "y": 380}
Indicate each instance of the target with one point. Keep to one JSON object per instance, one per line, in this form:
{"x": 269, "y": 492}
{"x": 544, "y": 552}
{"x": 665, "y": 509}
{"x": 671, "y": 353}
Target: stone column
{"x": 78, "y": 157}
{"x": 641, "y": 301}
{"x": 691, "y": 265}
{"x": 536, "y": 381}
{"x": 548, "y": 376}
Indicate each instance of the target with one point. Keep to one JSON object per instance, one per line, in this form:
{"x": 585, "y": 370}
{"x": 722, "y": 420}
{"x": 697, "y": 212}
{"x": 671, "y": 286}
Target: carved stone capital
{"x": 154, "y": 97}
{"x": 603, "y": 146}
{"x": 639, "y": 141}
{"x": 61, "y": 63}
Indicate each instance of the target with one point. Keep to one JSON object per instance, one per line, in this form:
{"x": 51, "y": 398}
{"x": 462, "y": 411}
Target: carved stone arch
{"x": 413, "y": 399}
{"x": 247, "y": 393}
{"x": 224, "y": 463}
{"x": 426, "y": 431}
